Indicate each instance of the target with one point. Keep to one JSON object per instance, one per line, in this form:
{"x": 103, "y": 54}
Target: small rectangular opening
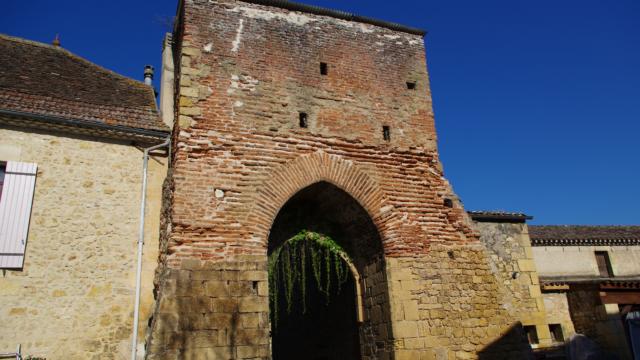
{"x": 386, "y": 133}
{"x": 604, "y": 264}
{"x": 411, "y": 85}
{"x": 556, "y": 332}
{"x": 324, "y": 69}
{"x": 303, "y": 120}
{"x": 532, "y": 334}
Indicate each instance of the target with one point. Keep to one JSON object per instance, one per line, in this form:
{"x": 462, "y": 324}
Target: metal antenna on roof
{"x": 56, "y": 41}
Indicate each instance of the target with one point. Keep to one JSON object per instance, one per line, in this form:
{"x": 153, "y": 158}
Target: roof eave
{"x": 499, "y": 218}
{"x": 317, "y": 10}
{"x": 90, "y": 127}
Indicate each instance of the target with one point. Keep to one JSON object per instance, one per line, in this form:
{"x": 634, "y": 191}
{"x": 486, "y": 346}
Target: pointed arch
{"x": 293, "y": 176}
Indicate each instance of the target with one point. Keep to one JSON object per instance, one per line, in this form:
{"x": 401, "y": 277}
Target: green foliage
{"x": 288, "y": 269}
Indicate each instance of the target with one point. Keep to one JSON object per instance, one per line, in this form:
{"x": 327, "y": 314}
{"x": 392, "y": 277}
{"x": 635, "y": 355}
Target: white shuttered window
{"x": 15, "y": 211}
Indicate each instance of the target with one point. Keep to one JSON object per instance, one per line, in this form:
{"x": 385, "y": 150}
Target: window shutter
{"x": 15, "y": 211}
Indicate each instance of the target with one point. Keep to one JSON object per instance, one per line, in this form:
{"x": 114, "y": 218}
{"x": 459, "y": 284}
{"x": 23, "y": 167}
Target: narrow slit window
{"x": 411, "y": 85}
{"x": 386, "y": 133}
{"x": 604, "y": 264}
{"x": 324, "y": 68}
{"x": 303, "y": 120}
{"x": 532, "y": 334}
{"x": 556, "y": 333}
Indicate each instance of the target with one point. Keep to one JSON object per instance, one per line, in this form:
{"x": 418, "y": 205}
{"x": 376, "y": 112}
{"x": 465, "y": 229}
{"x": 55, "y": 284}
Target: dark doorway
{"x": 324, "y": 331}
{"x": 330, "y": 331}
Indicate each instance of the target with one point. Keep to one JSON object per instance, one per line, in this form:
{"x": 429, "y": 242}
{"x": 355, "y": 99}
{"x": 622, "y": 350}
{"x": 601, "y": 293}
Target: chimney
{"x": 148, "y": 75}
{"x": 56, "y": 41}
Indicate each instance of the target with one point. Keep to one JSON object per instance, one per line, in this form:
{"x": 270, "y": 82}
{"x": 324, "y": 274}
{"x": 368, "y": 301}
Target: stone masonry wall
{"x": 511, "y": 255}
{"x": 74, "y": 297}
{"x": 557, "y": 311}
{"x": 552, "y": 260}
{"x": 449, "y": 305}
{"x": 600, "y": 322}
{"x": 245, "y": 73}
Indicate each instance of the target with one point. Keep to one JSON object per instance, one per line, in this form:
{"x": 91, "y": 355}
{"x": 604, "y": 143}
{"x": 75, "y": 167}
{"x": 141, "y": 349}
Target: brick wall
{"x": 246, "y": 72}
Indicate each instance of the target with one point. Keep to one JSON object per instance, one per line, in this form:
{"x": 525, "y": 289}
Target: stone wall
{"x": 557, "y": 312}
{"x": 567, "y": 261}
{"x": 512, "y": 262}
{"x": 213, "y": 310}
{"x": 74, "y": 297}
{"x": 450, "y": 305}
{"x": 600, "y": 322}
{"x": 245, "y": 73}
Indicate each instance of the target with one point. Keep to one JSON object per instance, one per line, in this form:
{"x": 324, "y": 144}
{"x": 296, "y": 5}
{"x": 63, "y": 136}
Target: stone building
{"x": 292, "y": 117}
{"x": 71, "y": 139}
{"x": 285, "y": 118}
{"x": 590, "y": 281}
{"x": 568, "y": 280}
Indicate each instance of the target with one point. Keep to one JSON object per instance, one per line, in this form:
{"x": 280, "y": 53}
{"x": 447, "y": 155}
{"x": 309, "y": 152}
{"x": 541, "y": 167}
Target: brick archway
{"x": 285, "y": 181}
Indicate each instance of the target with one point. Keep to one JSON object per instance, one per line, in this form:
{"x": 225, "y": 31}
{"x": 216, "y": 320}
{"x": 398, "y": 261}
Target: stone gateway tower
{"x": 288, "y": 118}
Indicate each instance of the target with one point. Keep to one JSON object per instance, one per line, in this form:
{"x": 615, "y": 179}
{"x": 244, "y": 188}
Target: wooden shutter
{"x": 15, "y": 211}
{"x": 604, "y": 266}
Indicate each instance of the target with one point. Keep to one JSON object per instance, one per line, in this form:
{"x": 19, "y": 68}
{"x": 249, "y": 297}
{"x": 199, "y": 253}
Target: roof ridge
{"x": 75, "y": 57}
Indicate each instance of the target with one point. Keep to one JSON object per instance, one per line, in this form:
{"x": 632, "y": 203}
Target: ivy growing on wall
{"x": 290, "y": 262}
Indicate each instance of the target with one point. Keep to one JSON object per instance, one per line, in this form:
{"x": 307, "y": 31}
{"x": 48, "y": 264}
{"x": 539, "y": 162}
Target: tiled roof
{"x": 46, "y": 80}
{"x": 576, "y": 235}
{"x": 499, "y": 216}
{"x": 549, "y": 283}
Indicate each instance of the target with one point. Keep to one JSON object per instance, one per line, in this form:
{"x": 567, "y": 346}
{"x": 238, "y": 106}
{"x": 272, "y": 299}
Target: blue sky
{"x": 537, "y": 103}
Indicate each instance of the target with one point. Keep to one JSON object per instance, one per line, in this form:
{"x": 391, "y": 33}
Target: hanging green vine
{"x": 288, "y": 268}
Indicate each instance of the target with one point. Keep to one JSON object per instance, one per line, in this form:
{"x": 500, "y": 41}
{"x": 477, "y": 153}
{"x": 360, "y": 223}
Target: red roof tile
{"x": 48, "y": 80}
{"x": 584, "y": 235}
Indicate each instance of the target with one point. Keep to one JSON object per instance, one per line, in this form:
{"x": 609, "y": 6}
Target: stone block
{"x": 251, "y": 336}
{"x": 217, "y": 288}
{"x": 411, "y": 310}
{"x": 253, "y": 351}
{"x": 225, "y": 352}
{"x": 253, "y": 304}
{"x": 405, "y": 329}
{"x": 224, "y": 305}
{"x": 253, "y": 275}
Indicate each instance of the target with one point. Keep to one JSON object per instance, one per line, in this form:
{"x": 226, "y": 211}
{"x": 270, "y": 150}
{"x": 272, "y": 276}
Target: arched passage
{"x": 332, "y": 331}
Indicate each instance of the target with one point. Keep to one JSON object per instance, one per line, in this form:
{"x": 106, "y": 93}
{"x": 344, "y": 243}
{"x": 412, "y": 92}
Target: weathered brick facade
{"x": 244, "y": 74}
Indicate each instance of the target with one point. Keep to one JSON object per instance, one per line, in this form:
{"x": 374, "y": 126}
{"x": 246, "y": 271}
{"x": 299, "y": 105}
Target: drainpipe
{"x": 136, "y": 311}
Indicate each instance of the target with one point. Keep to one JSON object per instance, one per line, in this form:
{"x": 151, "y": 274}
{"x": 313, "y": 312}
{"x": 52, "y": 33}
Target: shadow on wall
{"x": 579, "y": 347}
{"x": 511, "y": 345}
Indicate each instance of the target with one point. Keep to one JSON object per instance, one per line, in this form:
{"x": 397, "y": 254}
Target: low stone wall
{"x": 74, "y": 297}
